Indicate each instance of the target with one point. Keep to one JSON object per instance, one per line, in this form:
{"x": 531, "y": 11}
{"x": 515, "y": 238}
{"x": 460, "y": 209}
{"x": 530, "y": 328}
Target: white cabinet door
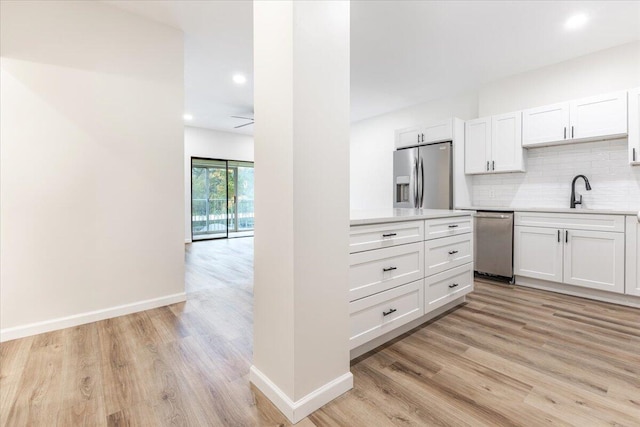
{"x": 632, "y": 253}
{"x": 437, "y": 132}
{"x": 546, "y": 124}
{"x": 506, "y": 143}
{"x": 594, "y": 259}
{"x": 408, "y": 137}
{"x": 602, "y": 115}
{"x": 477, "y": 145}
{"x": 538, "y": 253}
{"x": 634, "y": 126}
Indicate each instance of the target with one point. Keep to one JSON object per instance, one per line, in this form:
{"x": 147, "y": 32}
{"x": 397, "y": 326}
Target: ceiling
{"x": 402, "y": 52}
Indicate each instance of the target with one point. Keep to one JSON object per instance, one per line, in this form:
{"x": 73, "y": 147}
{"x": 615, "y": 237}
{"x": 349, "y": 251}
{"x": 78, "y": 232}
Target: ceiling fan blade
{"x": 241, "y": 126}
{"x": 240, "y": 117}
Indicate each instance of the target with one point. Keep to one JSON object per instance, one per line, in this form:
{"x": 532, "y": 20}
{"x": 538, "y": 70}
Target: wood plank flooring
{"x": 511, "y": 356}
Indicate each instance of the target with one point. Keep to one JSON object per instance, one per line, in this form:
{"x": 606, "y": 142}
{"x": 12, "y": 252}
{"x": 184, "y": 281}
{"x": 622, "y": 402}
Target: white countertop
{"x": 380, "y": 216}
{"x": 550, "y": 210}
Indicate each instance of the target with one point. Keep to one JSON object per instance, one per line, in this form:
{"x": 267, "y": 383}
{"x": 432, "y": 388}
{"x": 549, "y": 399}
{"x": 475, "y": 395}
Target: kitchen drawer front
{"x": 443, "y": 288}
{"x": 376, "y": 271}
{"x": 367, "y": 315}
{"x": 367, "y": 237}
{"x": 443, "y": 227}
{"x": 448, "y": 252}
{"x": 594, "y": 222}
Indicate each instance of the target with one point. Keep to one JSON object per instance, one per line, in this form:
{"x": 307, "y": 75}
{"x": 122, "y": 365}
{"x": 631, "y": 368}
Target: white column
{"x": 301, "y": 329}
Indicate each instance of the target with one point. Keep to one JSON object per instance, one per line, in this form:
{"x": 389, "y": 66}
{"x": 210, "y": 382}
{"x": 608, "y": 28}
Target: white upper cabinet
{"x": 587, "y": 119}
{"x": 634, "y": 126}
{"x": 506, "y": 143}
{"x": 494, "y": 144}
{"x": 543, "y": 125}
{"x": 477, "y": 146}
{"x": 598, "y": 116}
{"x": 438, "y": 131}
{"x": 408, "y": 137}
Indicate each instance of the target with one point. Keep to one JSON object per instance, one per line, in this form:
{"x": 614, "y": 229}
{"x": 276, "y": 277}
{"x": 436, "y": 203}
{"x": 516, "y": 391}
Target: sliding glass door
{"x": 221, "y": 199}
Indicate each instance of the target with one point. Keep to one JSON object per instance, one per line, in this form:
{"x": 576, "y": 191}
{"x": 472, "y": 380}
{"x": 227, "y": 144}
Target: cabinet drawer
{"x": 448, "y": 252}
{"x": 380, "y": 313}
{"x": 367, "y": 237}
{"x": 443, "y": 288}
{"x": 576, "y": 221}
{"x": 442, "y": 227}
{"x": 376, "y": 271}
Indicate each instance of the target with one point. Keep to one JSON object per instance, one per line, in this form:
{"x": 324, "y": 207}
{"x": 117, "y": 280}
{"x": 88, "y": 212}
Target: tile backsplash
{"x": 550, "y": 170}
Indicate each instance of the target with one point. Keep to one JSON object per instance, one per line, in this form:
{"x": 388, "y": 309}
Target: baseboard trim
{"x": 298, "y": 410}
{"x": 577, "y": 291}
{"x": 187, "y": 241}
{"x": 8, "y": 334}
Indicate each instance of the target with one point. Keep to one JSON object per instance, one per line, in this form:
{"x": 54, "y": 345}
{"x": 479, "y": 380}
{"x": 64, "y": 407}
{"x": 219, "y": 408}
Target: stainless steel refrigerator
{"x": 422, "y": 177}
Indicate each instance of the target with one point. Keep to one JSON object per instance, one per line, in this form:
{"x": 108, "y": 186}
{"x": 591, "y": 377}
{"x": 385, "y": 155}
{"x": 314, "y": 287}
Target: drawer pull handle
{"x": 454, "y": 285}
{"x": 453, "y": 226}
{"x": 386, "y": 313}
{"x": 389, "y": 269}
{"x": 453, "y": 252}
{"x": 389, "y": 234}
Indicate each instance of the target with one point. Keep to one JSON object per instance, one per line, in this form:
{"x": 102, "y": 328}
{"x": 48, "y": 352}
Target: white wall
{"x": 210, "y": 144}
{"x": 547, "y": 181}
{"x": 372, "y": 146}
{"x": 91, "y": 163}
{"x": 301, "y": 312}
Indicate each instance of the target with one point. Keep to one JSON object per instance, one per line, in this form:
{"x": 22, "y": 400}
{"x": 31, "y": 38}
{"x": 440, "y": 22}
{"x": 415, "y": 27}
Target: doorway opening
{"x": 221, "y": 199}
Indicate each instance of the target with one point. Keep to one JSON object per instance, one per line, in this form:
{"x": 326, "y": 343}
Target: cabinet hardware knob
{"x": 454, "y": 285}
{"x": 386, "y": 313}
{"x": 389, "y": 235}
{"x": 453, "y": 226}
{"x": 389, "y": 269}
{"x": 453, "y": 252}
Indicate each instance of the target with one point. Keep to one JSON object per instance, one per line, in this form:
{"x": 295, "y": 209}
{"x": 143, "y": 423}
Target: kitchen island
{"x": 407, "y": 266}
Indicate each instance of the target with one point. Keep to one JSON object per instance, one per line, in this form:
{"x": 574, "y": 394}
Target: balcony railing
{"x": 214, "y": 216}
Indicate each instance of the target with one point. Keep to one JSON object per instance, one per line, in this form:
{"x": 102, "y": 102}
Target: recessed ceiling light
{"x": 188, "y": 117}
{"x": 239, "y": 79}
{"x": 576, "y": 21}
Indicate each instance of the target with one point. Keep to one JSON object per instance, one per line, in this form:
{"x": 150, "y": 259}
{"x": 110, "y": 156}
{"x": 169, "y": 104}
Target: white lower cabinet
{"x": 586, "y": 258}
{"x": 443, "y": 288}
{"x": 632, "y": 265}
{"x": 594, "y": 259}
{"x": 538, "y": 253}
{"x": 382, "y": 312}
{"x": 389, "y": 285}
{"x": 382, "y": 269}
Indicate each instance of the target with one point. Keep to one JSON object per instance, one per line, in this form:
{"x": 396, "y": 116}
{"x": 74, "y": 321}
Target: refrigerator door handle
{"x": 421, "y": 184}
{"x": 415, "y": 186}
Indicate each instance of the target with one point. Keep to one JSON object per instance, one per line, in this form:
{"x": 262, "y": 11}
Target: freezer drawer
{"x": 493, "y": 243}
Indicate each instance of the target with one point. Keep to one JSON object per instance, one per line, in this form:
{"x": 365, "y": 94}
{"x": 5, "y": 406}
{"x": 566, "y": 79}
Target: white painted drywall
{"x": 91, "y": 160}
{"x": 609, "y": 70}
{"x": 372, "y": 146}
{"x": 547, "y": 181}
{"x": 210, "y": 144}
{"x": 301, "y": 57}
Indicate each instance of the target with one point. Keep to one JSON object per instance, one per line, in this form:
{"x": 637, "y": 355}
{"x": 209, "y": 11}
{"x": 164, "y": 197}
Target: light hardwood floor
{"x": 510, "y": 356}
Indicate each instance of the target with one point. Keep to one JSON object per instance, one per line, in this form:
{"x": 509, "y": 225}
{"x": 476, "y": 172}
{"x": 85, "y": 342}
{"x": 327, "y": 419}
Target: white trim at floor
{"x": 16, "y": 332}
{"x": 296, "y": 411}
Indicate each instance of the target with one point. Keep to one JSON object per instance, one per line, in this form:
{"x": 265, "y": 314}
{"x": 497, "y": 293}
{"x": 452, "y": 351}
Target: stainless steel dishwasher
{"x": 493, "y": 244}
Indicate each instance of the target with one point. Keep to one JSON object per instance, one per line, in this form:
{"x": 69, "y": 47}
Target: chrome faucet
{"x": 575, "y": 202}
